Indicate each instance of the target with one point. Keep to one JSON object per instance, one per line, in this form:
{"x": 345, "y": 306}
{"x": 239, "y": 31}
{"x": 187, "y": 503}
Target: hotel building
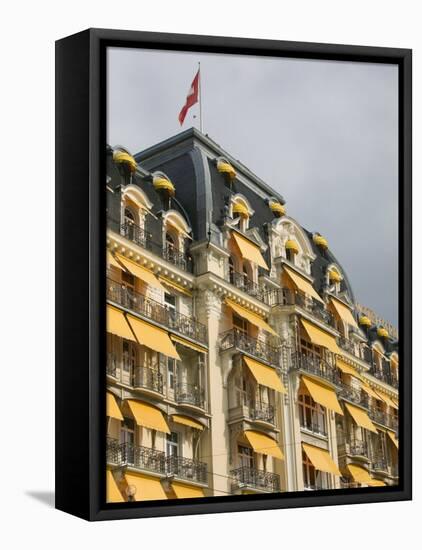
{"x": 238, "y": 361}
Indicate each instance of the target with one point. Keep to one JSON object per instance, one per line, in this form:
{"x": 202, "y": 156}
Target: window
{"x": 129, "y": 225}
{"x": 172, "y": 444}
{"x": 245, "y": 457}
{"x": 170, "y": 304}
{"x": 312, "y": 479}
{"x": 231, "y": 271}
{"x": 239, "y": 324}
{"x": 311, "y": 415}
{"x": 127, "y": 439}
{"x": 129, "y": 357}
{"x": 311, "y": 352}
{"x": 245, "y": 277}
{"x": 290, "y": 255}
{"x": 127, "y": 294}
{"x": 171, "y": 363}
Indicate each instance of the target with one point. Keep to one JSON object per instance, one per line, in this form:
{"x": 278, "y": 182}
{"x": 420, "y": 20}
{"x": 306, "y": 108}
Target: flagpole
{"x": 200, "y": 96}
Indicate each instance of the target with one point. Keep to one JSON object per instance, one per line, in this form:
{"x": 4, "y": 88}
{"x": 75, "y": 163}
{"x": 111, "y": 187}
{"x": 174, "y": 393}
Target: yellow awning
{"x": 393, "y": 438}
{"x": 148, "y": 416}
{"x": 175, "y": 286}
{"x": 266, "y": 376}
{"x": 146, "y": 487}
{"x": 264, "y": 444}
{"x": 239, "y": 208}
{"x": 186, "y": 421}
{"x": 121, "y": 157}
{"x": 111, "y": 260}
{"x": 367, "y": 389}
{"x": 226, "y": 168}
{"x": 188, "y": 344}
{"x": 113, "y": 493}
{"x": 321, "y": 459}
{"x": 334, "y": 276}
{"x": 153, "y": 337}
{"x": 322, "y": 394}
{"x": 277, "y": 208}
{"x": 348, "y": 369}
{"x": 300, "y": 283}
{"x": 117, "y": 324}
{"x": 320, "y": 338}
{"x": 360, "y": 475}
{"x": 344, "y": 312}
{"x": 387, "y": 400}
{"x": 186, "y": 491}
{"x": 163, "y": 184}
{"x": 249, "y": 250}
{"x": 361, "y": 418}
{"x": 251, "y": 317}
{"x": 377, "y": 483}
{"x": 140, "y": 272}
{"x": 112, "y": 407}
{"x": 292, "y": 245}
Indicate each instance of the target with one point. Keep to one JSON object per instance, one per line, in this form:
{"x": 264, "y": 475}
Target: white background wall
{"x": 27, "y": 200}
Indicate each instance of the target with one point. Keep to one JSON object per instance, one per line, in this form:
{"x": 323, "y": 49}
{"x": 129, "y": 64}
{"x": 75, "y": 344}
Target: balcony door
{"x": 127, "y": 440}
{"x": 129, "y": 357}
{"x": 245, "y": 457}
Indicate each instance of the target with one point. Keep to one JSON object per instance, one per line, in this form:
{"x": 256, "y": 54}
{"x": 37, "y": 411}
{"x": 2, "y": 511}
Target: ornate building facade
{"x": 238, "y": 361}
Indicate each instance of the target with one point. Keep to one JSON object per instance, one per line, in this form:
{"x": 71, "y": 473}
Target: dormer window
{"x": 241, "y": 210}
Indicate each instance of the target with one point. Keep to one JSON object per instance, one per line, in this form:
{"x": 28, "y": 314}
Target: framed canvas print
{"x": 233, "y": 274}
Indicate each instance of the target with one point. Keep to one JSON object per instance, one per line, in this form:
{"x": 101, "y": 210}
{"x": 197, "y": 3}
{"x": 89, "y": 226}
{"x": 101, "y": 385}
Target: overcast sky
{"x": 322, "y": 133}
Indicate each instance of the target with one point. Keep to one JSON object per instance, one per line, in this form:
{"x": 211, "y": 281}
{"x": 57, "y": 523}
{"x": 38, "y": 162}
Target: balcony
{"x": 379, "y": 465}
{"x": 382, "y": 371}
{"x": 288, "y": 297}
{"x": 317, "y": 367}
{"x": 236, "y": 339}
{"x": 356, "y": 396}
{"x": 187, "y": 469}
{"x": 144, "y": 458}
{"x": 262, "y": 412}
{"x": 242, "y": 282}
{"x": 142, "y": 238}
{"x": 357, "y": 448}
{"x": 148, "y": 379}
{"x": 154, "y": 311}
{"x": 256, "y": 479}
{"x": 347, "y": 345}
{"x": 381, "y": 417}
{"x": 190, "y": 394}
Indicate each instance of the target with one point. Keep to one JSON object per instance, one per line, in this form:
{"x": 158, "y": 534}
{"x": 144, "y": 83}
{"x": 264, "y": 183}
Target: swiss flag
{"x": 191, "y": 98}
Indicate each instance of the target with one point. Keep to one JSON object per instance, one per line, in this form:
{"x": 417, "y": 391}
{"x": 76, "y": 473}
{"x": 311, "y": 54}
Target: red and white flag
{"x": 191, "y": 98}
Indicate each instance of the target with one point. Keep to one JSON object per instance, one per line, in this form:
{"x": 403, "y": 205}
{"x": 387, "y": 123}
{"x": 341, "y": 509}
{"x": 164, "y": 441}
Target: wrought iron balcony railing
{"x": 189, "y": 394}
{"x": 188, "y": 469}
{"x": 242, "y": 282}
{"x": 383, "y": 418}
{"x": 154, "y": 311}
{"x": 144, "y": 239}
{"x": 149, "y": 379}
{"x": 262, "y": 412}
{"x": 237, "y": 339}
{"x": 380, "y": 465}
{"x": 250, "y": 477}
{"x": 355, "y": 395}
{"x": 347, "y": 345}
{"x": 357, "y": 448}
{"x": 313, "y": 427}
{"x": 144, "y": 458}
{"x": 316, "y": 366}
{"x": 383, "y": 372}
{"x": 288, "y": 297}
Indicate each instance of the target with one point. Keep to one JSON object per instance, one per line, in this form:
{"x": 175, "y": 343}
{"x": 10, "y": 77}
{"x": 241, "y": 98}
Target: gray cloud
{"x": 322, "y": 133}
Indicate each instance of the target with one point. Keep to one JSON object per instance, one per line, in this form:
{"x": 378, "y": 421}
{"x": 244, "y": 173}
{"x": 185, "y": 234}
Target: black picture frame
{"x": 80, "y": 261}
